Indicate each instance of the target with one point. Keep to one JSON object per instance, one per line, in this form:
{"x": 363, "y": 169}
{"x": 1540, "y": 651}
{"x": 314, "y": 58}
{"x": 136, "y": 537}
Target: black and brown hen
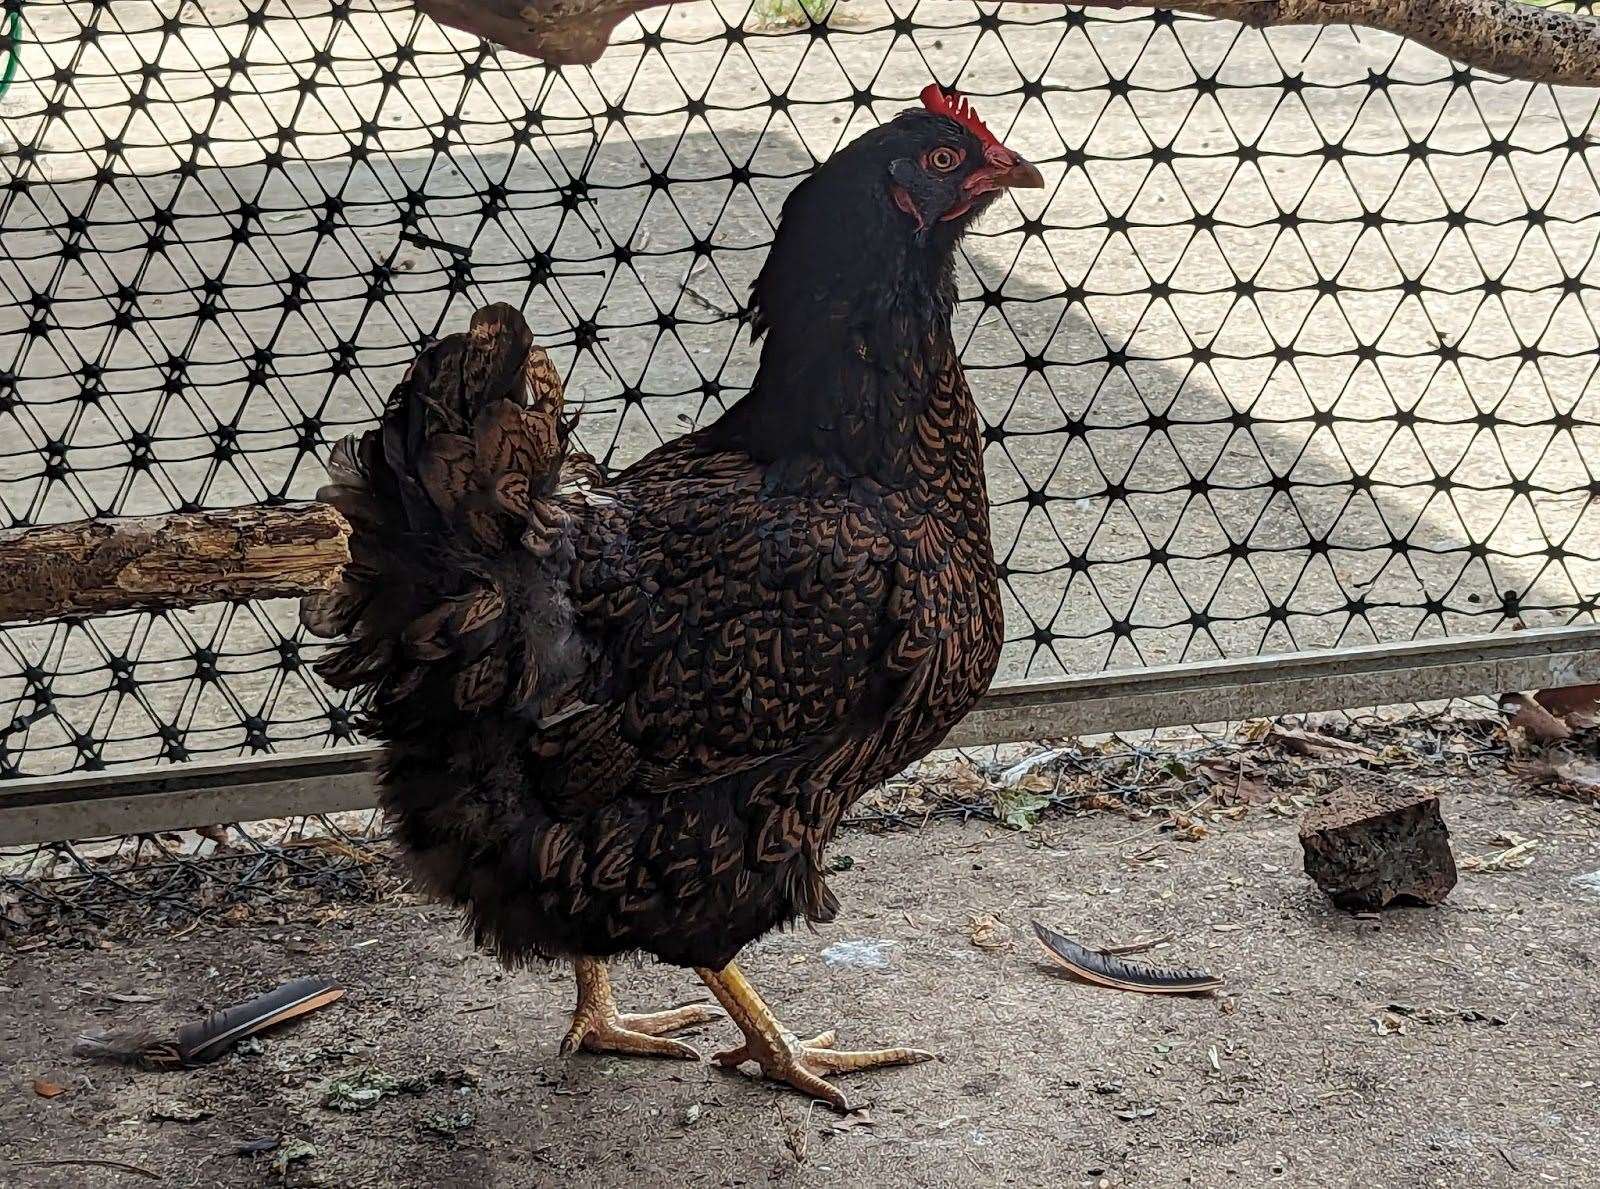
{"x": 626, "y": 714}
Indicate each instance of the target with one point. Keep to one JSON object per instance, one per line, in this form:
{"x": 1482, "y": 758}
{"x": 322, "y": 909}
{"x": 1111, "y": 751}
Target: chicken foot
{"x": 799, "y": 1063}
{"x": 600, "y": 1028}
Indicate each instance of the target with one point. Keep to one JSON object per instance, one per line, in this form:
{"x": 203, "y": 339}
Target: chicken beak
{"x": 1019, "y": 175}
{"x": 1002, "y": 170}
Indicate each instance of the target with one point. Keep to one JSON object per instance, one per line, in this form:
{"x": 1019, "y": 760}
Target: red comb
{"x": 936, "y": 100}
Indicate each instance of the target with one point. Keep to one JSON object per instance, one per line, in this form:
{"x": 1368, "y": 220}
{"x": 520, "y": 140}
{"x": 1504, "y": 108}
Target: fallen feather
{"x": 1136, "y": 947}
{"x": 205, "y": 1040}
{"x": 1104, "y": 969}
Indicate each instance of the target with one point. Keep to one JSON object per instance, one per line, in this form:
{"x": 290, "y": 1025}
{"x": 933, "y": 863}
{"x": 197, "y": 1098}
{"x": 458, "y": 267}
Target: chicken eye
{"x": 944, "y": 159}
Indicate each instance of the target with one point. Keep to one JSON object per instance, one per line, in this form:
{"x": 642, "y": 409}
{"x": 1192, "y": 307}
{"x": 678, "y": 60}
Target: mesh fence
{"x": 1296, "y": 348}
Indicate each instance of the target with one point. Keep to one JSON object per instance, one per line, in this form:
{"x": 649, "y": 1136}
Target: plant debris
{"x": 1103, "y": 969}
{"x": 1518, "y": 853}
{"x": 1189, "y": 784}
{"x": 365, "y": 1089}
{"x": 447, "y": 1125}
{"x": 1019, "y": 808}
{"x": 1388, "y": 1024}
{"x": 45, "y": 1088}
{"x": 292, "y": 1151}
{"x": 172, "y": 1111}
{"x": 1235, "y": 779}
{"x": 852, "y": 1121}
{"x": 1564, "y": 772}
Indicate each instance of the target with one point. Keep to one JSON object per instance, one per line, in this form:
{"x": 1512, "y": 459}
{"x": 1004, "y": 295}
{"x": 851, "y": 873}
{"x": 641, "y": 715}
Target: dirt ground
{"x": 1449, "y": 1046}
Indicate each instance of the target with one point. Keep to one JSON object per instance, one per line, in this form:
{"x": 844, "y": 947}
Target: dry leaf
{"x": 989, "y": 932}
{"x": 854, "y": 1119}
{"x": 1234, "y": 779}
{"x": 1578, "y": 706}
{"x": 1187, "y": 828}
{"x": 1572, "y": 775}
{"x": 48, "y": 1089}
{"x": 1388, "y": 1024}
{"x": 1255, "y": 730}
{"x": 1320, "y": 747}
{"x": 1536, "y": 723}
{"x": 216, "y": 833}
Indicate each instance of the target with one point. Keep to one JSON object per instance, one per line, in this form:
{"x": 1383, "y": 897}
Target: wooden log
{"x": 1506, "y": 37}
{"x": 1376, "y": 841}
{"x": 91, "y": 567}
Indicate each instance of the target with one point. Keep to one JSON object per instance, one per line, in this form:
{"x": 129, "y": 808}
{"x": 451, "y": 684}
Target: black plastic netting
{"x": 1295, "y": 350}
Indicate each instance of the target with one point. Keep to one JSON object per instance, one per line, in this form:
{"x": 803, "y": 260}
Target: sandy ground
{"x": 1109, "y": 258}
{"x": 1484, "y": 1072}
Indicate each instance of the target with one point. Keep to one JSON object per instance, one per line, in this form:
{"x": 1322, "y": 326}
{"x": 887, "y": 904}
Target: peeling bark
{"x": 1504, "y": 37}
{"x": 1376, "y": 841}
{"x": 91, "y": 567}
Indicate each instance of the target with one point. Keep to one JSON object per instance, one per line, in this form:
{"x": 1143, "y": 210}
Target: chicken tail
{"x": 453, "y": 601}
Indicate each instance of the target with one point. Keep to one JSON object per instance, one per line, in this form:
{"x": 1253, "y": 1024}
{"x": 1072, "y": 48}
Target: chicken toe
{"x": 802, "y": 1064}
{"x": 599, "y": 1027}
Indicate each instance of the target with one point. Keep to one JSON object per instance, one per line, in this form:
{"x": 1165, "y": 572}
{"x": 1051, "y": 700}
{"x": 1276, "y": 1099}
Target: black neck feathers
{"x": 854, "y": 307}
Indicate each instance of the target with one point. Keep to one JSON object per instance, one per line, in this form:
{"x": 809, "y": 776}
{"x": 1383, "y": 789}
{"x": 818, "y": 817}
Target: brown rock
{"x": 1374, "y": 841}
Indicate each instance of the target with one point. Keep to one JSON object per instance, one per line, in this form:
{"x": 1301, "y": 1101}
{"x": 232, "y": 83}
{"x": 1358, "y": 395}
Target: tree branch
{"x": 1496, "y": 36}
{"x": 90, "y": 567}
{"x": 1523, "y": 41}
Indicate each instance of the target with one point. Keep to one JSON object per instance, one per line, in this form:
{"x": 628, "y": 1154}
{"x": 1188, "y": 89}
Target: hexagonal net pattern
{"x": 1295, "y": 350}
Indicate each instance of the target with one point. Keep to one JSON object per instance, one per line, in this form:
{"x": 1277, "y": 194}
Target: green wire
{"x": 13, "y": 49}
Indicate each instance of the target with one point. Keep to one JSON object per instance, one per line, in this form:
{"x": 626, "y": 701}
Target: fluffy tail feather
{"x": 454, "y": 599}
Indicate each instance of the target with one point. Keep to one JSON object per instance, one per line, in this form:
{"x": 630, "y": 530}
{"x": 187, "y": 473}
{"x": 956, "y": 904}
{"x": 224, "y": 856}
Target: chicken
{"x": 625, "y": 714}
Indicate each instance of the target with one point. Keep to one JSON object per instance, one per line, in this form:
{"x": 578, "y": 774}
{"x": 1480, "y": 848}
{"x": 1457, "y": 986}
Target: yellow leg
{"x": 782, "y": 1057}
{"x": 600, "y": 1028}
